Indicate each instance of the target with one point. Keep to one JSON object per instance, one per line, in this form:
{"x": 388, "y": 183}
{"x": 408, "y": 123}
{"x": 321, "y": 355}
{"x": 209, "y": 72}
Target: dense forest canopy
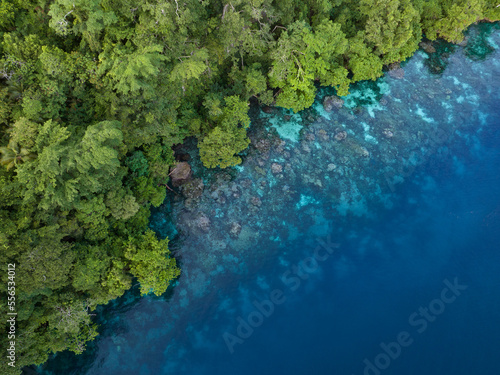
{"x": 94, "y": 94}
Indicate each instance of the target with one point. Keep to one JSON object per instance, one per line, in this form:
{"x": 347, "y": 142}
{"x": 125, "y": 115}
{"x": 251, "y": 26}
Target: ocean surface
{"x": 365, "y": 240}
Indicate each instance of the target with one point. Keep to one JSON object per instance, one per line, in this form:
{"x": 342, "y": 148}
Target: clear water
{"x": 408, "y": 282}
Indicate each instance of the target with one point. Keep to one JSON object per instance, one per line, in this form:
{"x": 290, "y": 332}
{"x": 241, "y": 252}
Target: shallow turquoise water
{"x": 409, "y": 203}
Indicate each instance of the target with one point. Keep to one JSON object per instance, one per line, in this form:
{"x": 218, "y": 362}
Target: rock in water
{"x": 341, "y": 135}
{"x": 181, "y": 174}
{"x": 427, "y": 47}
{"x": 235, "y": 229}
{"x": 332, "y": 102}
{"x": 203, "y": 222}
{"x": 193, "y": 189}
{"x": 276, "y": 168}
{"x": 397, "y": 73}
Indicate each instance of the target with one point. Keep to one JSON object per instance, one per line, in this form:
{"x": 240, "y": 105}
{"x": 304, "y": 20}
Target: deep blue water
{"x": 422, "y": 270}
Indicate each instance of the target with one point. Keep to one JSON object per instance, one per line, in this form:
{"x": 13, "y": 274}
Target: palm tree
{"x": 13, "y": 155}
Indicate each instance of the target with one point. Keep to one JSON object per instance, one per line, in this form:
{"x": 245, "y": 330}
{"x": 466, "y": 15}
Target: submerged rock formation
{"x": 332, "y": 102}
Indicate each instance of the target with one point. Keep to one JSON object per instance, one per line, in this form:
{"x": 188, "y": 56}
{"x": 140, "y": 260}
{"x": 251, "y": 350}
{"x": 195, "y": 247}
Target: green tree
{"x": 13, "y": 155}
{"x": 301, "y": 56}
{"x": 85, "y": 17}
{"x": 392, "y": 28}
{"x": 363, "y": 64}
{"x": 229, "y": 137}
{"x": 122, "y": 205}
{"x": 24, "y": 132}
{"x": 449, "y": 19}
{"x": 44, "y": 267}
{"x": 65, "y": 170}
{"x": 131, "y": 71}
{"x": 219, "y": 147}
{"x": 150, "y": 263}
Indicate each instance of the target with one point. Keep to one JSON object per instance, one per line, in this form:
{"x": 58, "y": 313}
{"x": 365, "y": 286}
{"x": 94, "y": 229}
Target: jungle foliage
{"x": 94, "y": 94}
